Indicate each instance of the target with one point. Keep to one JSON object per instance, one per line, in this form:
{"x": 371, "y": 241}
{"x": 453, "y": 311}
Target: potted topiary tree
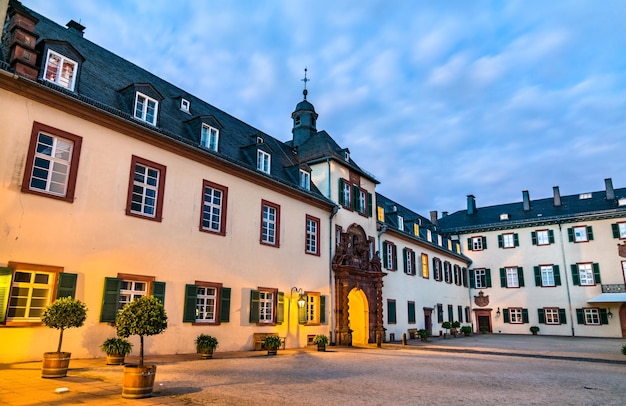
{"x": 205, "y": 345}
{"x": 322, "y": 341}
{"x": 144, "y": 316}
{"x": 466, "y": 330}
{"x": 453, "y": 328}
{"x": 446, "y": 325}
{"x": 534, "y": 330}
{"x": 272, "y": 343}
{"x": 116, "y": 349}
{"x": 61, "y": 314}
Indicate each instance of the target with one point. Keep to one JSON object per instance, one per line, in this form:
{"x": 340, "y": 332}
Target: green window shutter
{"x": 505, "y": 315}
{"x": 404, "y": 261}
{"x": 570, "y": 234}
{"x": 341, "y": 199}
{"x": 557, "y": 275}
{"x": 500, "y": 241}
{"x": 254, "y": 306}
{"x": 541, "y": 313}
{"x": 394, "y": 250}
{"x": 533, "y": 237}
{"x": 469, "y": 244}
{"x": 323, "y": 309}
{"x": 580, "y": 316}
{"x": 575, "y": 275}
{"x": 520, "y": 276}
{"x": 302, "y": 313}
{"x": 391, "y": 312}
{"x": 615, "y": 228}
{"x": 525, "y": 316}
{"x": 385, "y": 259}
{"x": 6, "y": 274}
{"x": 66, "y": 285}
{"x": 596, "y": 273}
{"x": 280, "y": 308}
{"x": 589, "y": 233}
{"x": 484, "y": 242}
{"x": 562, "y": 316}
{"x": 225, "y": 305}
{"x": 110, "y": 299}
{"x": 411, "y": 311}
{"x": 538, "y": 281}
{"x": 189, "y": 308}
{"x": 369, "y": 205}
{"x": 551, "y": 236}
{"x": 604, "y": 316}
{"x": 158, "y": 291}
{"x": 472, "y": 279}
{"x": 502, "y": 278}
{"x": 516, "y": 239}
{"x": 356, "y": 202}
{"x": 488, "y": 277}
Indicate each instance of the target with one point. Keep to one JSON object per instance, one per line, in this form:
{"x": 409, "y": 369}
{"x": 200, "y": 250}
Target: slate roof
{"x": 104, "y": 76}
{"x": 542, "y": 211}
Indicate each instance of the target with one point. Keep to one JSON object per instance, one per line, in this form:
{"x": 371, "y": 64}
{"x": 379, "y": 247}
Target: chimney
{"x": 526, "y": 204}
{"x": 444, "y": 214}
{"x": 22, "y": 55}
{"x": 557, "y": 196}
{"x": 433, "y": 217}
{"x": 76, "y": 27}
{"x": 610, "y": 192}
{"x": 471, "y": 204}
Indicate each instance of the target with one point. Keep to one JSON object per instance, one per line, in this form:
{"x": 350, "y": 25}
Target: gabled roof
{"x": 543, "y": 211}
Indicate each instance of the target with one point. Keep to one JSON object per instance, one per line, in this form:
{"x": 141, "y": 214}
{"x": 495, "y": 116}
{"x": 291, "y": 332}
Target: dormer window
{"x": 346, "y": 155}
{"x": 263, "y": 161}
{"x": 305, "y": 180}
{"x": 185, "y": 105}
{"x": 60, "y": 70}
{"x": 146, "y": 108}
{"x": 401, "y": 223}
{"x": 210, "y": 137}
{"x": 584, "y": 196}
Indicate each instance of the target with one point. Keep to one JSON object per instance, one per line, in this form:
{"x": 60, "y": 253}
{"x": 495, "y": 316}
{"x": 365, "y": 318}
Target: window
{"x": 592, "y": 316}
{"x": 477, "y": 243}
{"x": 270, "y": 223}
{"x": 52, "y": 163}
{"x": 511, "y": 277}
{"x": 619, "y": 230}
{"x": 146, "y": 108}
{"x": 457, "y": 275}
{"x": 547, "y": 275}
{"x": 509, "y": 240}
{"x": 467, "y": 314}
{"x": 447, "y": 272}
{"x": 551, "y": 315}
{"x": 450, "y": 313}
{"x": 389, "y": 256}
{"x": 214, "y": 203}
{"x": 145, "y": 189}
{"x": 267, "y": 306}
{"x": 480, "y": 278}
{"x": 305, "y": 180}
{"x": 411, "y": 312}
{"x": 409, "y": 261}
{"x": 515, "y": 315}
{"x": 438, "y": 276}
{"x": 459, "y": 312}
{"x": 26, "y": 289}
{"x": 345, "y": 194}
{"x": 263, "y": 161}
{"x": 391, "y": 311}
{"x": 580, "y": 234}
{"x": 60, "y": 70}
{"x": 380, "y": 212}
{"x": 312, "y": 235}
{"x": 542, "y": 237}
{"x": 425, "y": 273}
{"x": 400, "y": 223}
{"x": 314, "y": 310}
{"x": 207, "y": 303}
{"x": 586, "y": 274}
{"x": 464, "y": 276}
{"x": 209, "y": 137}
{"x": 439, "y": 313}
{"x": 362, "y": 201}
{"x": 123, "y": 289}
{"x": 184, "y": 105}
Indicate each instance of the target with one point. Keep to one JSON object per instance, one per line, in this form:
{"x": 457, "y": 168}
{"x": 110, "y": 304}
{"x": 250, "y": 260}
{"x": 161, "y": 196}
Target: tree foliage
{"x": 64, "y": 313}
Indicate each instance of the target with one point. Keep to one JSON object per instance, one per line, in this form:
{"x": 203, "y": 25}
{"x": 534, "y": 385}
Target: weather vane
{"x": 305, "y": 92}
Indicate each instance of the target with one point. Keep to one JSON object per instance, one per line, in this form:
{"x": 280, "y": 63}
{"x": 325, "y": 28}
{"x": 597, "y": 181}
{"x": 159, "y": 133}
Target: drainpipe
{"x": 569, "y": 297}
{"x": 331, "y": 233}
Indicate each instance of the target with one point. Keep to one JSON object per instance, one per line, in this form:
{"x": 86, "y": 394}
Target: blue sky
{"x": 437, "y": 99}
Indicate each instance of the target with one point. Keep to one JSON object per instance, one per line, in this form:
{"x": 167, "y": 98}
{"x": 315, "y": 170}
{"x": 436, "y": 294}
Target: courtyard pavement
{"x": 90, "y": 381}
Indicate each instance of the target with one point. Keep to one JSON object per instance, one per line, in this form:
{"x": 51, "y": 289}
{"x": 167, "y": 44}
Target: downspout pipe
{"x": 569, "y": 297}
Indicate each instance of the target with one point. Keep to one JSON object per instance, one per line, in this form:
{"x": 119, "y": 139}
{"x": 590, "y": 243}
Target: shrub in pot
{"x": 116, "y": 349}
{"x": 466, "y": 330}
{"x": 272, "y": 343}
{"x": 423, "y": 334}
{"x": 534, "y": 330}
{"x": 205, "y": 345}
{"x": 144, "y": 316}
{"x": 322, "y": 341}
{"x": 61, "y": 314}
{"x": 484, "y": 329}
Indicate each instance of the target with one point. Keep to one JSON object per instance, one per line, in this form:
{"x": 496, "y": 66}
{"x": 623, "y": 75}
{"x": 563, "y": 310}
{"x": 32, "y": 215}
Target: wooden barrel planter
{"x": 115, "y": 359}
{"x": 138, "y": 381}
{"x": 55, "y": 364}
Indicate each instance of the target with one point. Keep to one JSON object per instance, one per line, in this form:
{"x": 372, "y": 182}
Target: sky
{"x": 436, "y": 99}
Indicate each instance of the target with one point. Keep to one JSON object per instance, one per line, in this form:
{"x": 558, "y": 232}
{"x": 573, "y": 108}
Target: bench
{"x": 258, "y": 338}
{"x": 412, "y": 333}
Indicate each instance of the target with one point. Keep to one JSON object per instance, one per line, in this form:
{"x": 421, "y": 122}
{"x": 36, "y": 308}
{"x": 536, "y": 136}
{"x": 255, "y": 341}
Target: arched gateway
{"x": 358, "y": 290}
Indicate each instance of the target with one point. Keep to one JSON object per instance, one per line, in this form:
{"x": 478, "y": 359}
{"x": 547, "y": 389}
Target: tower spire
{"x": 305, "y": 92}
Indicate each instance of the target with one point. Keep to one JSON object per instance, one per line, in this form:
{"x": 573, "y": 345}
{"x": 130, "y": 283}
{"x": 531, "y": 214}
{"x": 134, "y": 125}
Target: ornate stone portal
{"x": 353, "y": 269}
